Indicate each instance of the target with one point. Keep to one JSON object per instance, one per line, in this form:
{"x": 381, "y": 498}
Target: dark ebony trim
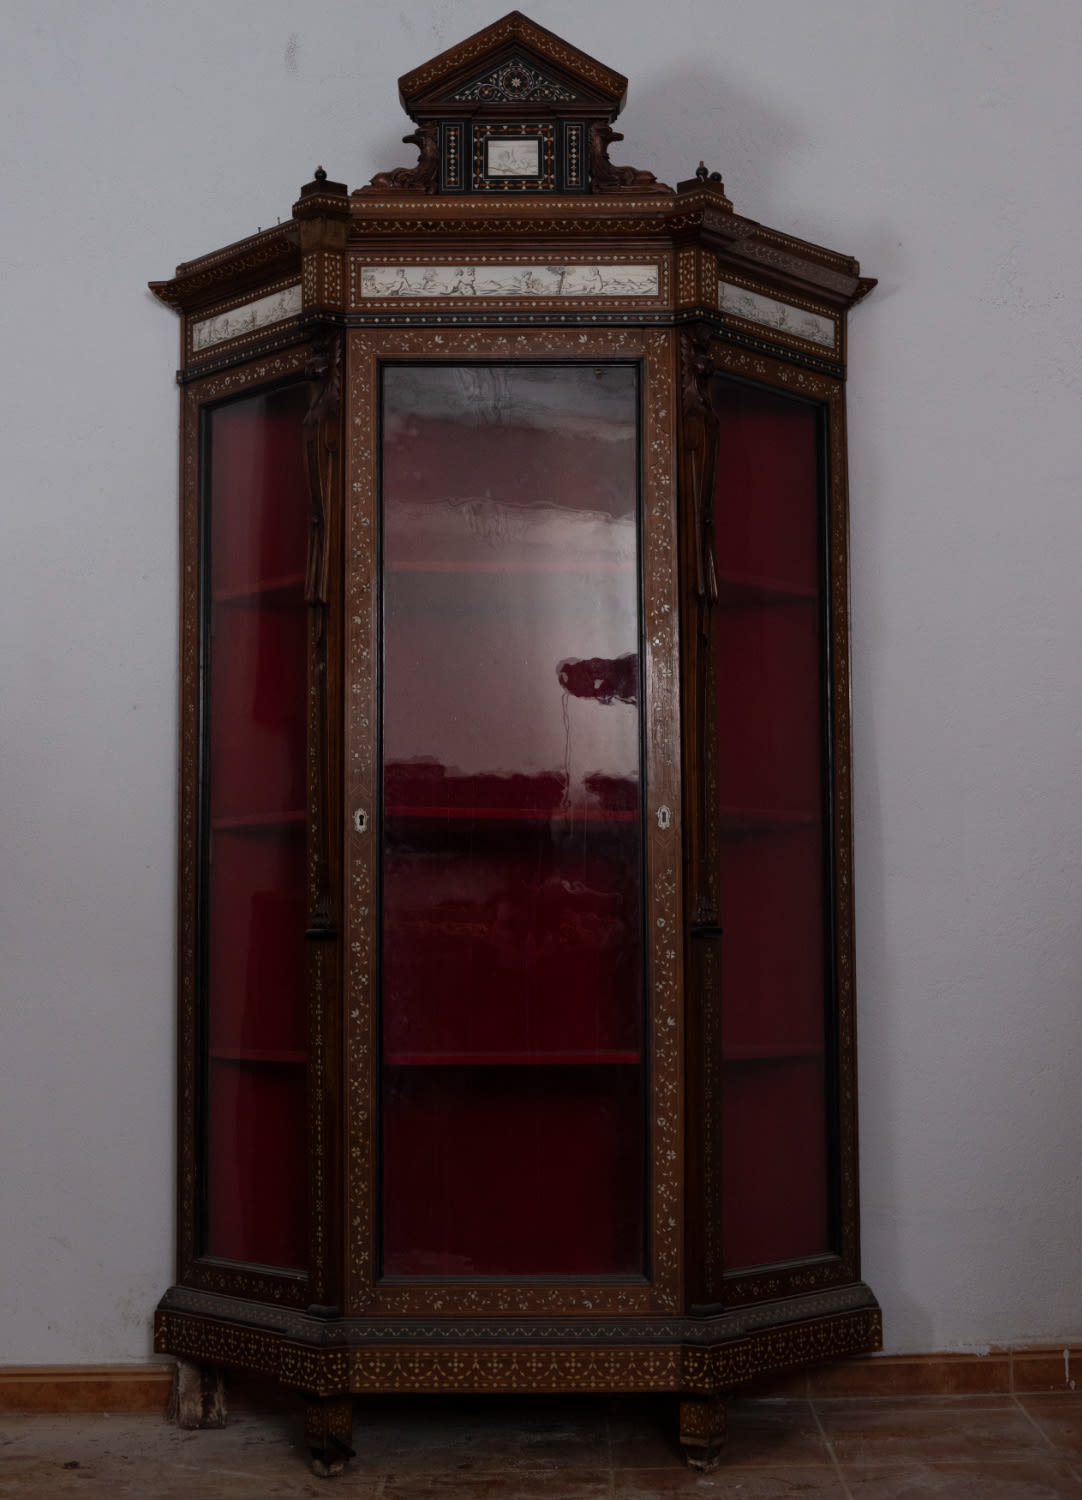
{"x": 321, "y": 1330}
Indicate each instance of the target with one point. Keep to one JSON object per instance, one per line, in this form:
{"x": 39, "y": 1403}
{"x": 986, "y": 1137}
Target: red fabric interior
{"x": 259, "y": 493}
{"x": 768, "y": 708}
{"x": 769, "y": 725}
{"x": 257, "y": 707}
{"x": 257, "y": 1175}
{"x": 512, "y": 1171}
{"x": 256, "y": 948}
{"x": 511, "y": 875}
{"x": 507, "y": 942}
{"x": 772, "y": 950}
{"x": 764, "y": 513}
{"x": 773, "y": 1162}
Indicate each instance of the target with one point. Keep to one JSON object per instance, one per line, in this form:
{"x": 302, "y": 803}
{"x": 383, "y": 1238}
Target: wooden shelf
{"x": 742, "y": 1056}
{"x": 257, "y": 823}
{"x": 288, "y": 589}
{"x": 735, "y": 591}
{"x": 505, "y": 815}
{"x": 745, "y": 822}
{"x": 256, "y": 1055}
{"x": 509, "y": 1059}
{"x": 494, "y": 565}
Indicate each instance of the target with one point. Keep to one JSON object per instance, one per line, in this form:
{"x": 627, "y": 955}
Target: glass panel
{"x": 513, "y": 1132}
{"x": 769, "y": 704}
{"x": 255, "y": 790}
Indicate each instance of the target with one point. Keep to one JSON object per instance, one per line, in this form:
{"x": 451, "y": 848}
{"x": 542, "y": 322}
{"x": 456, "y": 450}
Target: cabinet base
{"x": 328, "y": 1434}
{"x": 692, "y": 1356}
{"x": 197, "y": 1398}
{"x": 702, "y": 1431}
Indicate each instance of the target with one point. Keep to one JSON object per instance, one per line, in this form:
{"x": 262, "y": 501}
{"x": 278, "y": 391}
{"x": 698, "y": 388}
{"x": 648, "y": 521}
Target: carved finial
{"x": 701, "y": 172}
{"x": 320, "y": 175}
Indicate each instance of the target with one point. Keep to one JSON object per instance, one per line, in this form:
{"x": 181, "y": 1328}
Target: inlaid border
{"x": 662, "y": 1292}
{"x": 493, "y": 1369}
{"x": 541, "y": 132}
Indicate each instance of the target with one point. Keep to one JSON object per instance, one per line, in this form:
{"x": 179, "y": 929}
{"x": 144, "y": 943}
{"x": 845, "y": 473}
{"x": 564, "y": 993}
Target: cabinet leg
{"x": 702, "y": 1431}
{"x": 198, "y": 1395}
{"x": 328, "y": 1434}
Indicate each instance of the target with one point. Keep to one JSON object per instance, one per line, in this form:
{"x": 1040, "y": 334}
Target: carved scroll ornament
{"x": 423, "y": 178}
{"x": 605, "y": 178}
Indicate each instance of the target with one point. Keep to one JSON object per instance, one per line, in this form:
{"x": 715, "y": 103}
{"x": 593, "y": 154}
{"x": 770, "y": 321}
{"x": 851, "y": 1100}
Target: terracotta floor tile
{"x": 743, "y": 1484}
{"x": 1005, "y": 1480}
{"x": 776, "y": 1434}
{"x": 562, "y": 1484}
{"x": 1060, "y": 1418}
{"x": 459, "y": 1436}
{"x": 929, "y": 1429}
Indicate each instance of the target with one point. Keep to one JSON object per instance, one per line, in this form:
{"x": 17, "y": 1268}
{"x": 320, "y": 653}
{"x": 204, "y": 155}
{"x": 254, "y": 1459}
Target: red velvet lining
{"x": 257, "y": 1127}
{"x": 769, "y": 726}
{"x": 256, "y": 1199}
{"x": 512, "y": 1171}
{"x": 773, "y": 1162}
{"x": 513, "y": 1115}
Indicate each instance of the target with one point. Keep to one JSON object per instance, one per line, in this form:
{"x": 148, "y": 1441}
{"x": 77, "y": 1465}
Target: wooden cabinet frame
{"x": 613, "y": 267}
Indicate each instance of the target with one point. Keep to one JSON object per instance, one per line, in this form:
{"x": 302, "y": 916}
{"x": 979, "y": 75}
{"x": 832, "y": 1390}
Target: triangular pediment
{"x": 517, "y": 81}
{"x": 514, "y": 61}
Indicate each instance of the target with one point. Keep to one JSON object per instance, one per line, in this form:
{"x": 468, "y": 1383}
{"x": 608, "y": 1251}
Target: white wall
{"x": 939, "y": 141}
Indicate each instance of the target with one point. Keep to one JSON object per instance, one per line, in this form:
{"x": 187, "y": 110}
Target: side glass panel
{"x": 255, "y": 650}
{"x": 767, "y": 654}
{"x": 513, "y": 1118}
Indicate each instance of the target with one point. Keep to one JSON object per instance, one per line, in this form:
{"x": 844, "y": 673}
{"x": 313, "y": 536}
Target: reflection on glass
{"x": 512, "y": 967}
{"x": 256, "y": 654}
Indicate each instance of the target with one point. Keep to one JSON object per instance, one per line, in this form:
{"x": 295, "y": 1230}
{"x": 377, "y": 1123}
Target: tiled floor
{"x": 871, "y": 1448}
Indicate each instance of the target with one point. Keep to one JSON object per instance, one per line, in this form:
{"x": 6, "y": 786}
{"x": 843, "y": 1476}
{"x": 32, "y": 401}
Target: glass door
{"x": 512, "y": 971}
{"x": 252, "y": 814}
{"x": 770, "y": 682}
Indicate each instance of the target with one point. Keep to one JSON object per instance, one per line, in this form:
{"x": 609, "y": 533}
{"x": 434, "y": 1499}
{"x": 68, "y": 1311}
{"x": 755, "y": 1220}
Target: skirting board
{"x": 125, "y": 1388}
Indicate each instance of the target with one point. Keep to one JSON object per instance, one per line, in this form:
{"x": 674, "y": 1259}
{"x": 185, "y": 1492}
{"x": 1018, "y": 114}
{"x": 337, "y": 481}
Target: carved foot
{"x": 328, "y": 1434}
{"x": 198, "y": 1395}
{"x": 702, "y": 1431}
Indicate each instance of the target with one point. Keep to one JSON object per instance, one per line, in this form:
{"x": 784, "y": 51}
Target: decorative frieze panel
{"x": 488, "y": 280}
{"x": 248, "y": 318}
{"x": 770, "y": 312}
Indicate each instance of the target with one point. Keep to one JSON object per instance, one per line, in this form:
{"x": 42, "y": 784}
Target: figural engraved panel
{"x": 247, "y": 319}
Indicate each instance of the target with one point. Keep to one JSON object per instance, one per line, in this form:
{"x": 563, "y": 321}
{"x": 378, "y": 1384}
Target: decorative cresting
{"x": 513, "y": 110}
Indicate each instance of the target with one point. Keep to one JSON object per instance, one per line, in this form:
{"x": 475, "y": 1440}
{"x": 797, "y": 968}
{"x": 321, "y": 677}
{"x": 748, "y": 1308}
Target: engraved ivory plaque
{"x": 513, "y": 158}
{"x": 771, "y": 313}
{"x": 509, "y": 281}
{"x": 247, "y": 319}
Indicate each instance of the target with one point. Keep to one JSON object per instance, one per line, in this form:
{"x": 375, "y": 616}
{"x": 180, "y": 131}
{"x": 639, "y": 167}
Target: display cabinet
{"x": 516, "y": 955}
